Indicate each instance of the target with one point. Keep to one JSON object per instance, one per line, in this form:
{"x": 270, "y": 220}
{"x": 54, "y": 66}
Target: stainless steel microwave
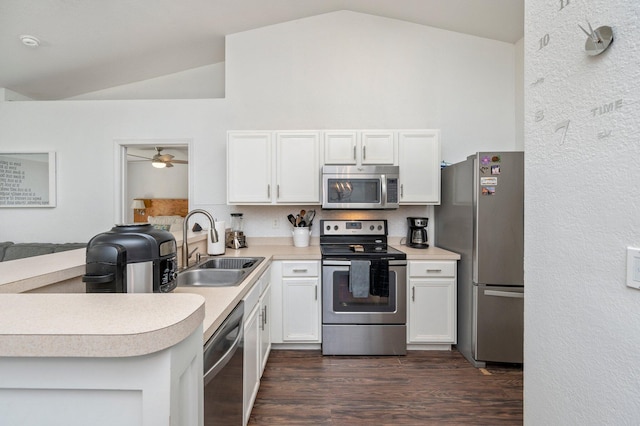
{"x": 360, "y": 187}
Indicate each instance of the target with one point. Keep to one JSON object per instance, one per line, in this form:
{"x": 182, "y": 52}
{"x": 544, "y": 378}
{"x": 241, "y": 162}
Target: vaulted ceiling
{"x": 89, "y": 45}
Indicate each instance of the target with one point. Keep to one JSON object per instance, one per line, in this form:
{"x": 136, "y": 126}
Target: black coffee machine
{"x": 417, "y": 233}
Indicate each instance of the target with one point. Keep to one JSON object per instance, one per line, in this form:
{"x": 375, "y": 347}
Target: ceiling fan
{"x": 161, "y": 160}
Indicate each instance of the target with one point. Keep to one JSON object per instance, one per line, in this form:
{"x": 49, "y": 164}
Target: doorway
{"x": 138, "y": 174}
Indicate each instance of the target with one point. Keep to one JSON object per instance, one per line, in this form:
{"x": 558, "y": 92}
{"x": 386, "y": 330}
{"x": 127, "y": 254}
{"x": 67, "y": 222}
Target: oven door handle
{"x": 331, "y": 262}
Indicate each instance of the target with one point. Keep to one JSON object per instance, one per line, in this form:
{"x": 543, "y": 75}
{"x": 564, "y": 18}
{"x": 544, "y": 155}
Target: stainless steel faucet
{"x": 213, "y": 234}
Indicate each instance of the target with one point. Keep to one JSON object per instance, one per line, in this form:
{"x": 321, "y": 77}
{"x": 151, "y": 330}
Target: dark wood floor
{"x": 422, "y": 388}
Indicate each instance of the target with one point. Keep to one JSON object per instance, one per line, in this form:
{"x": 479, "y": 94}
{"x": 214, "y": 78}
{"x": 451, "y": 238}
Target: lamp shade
{"x": 138, "y": 205}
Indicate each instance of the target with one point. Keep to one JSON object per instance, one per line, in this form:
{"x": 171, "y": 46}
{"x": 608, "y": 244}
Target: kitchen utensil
{"x": 292, "y": 219}
{"x": 308, "y": 218}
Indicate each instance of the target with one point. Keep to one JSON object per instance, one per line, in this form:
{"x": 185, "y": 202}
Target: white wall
{"x": 339, "y": 70}
{"x": 581, "y": 321}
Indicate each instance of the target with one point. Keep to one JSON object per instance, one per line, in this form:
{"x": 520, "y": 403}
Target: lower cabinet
{"x": 265, "y": 326}
{"x": 432, "y": 302}
{"x": 296, "y": 297}
{"x": 257, "y": 340}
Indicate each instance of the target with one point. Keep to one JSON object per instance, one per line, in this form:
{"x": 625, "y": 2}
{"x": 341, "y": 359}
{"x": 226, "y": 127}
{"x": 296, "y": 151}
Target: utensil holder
{"x": 301, "y": 236}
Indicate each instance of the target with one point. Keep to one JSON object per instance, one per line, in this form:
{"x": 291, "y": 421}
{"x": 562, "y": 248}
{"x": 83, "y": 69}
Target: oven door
{"x": 339, "y": 306}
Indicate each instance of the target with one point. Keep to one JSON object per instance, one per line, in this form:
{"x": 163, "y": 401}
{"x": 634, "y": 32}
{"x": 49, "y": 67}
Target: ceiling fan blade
{"x": 168, "y": 164}
{"x": 139, "y": 156}
{"x": 180, "y": 161}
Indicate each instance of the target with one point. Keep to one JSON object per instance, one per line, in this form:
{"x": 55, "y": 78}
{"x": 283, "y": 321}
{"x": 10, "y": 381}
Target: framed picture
{"x": 27, "y": 179}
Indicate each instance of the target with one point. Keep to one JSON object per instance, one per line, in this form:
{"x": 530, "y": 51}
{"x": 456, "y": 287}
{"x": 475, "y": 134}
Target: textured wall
{"x": 581, "y": 321}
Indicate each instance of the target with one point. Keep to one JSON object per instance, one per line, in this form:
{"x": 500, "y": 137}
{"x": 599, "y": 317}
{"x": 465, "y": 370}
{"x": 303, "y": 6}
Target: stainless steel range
{"x": 364, "y": 288}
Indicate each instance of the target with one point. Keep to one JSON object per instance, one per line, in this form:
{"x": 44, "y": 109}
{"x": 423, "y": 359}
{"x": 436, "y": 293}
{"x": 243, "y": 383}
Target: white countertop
{"x": 95, "y": 325}
{"x": 127, "y": 324}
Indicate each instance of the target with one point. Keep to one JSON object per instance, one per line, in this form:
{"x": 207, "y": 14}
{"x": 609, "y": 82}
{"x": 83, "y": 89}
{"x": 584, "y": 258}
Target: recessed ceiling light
{"x": 29, "y": 40}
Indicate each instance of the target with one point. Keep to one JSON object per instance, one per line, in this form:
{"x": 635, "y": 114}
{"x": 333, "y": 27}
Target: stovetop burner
{"x": 351, "y": 239}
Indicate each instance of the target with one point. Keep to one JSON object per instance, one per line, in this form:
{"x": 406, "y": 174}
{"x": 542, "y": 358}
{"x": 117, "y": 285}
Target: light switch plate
{"x": 633, "y": 267}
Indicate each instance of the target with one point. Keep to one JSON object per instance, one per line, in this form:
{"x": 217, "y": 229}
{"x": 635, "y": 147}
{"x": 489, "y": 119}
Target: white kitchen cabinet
{"x": 298, "y": 167}
{"x": 255, "y": 351}
{"x": 262, "y": 172}
{"x": 360, "y": 147}
{"x": 249, "y": 168}
{"x": 432, "y": 302}
{"x": 378, "y": 147}
{"x": 296, "y": 316}
{"x": 419, "y": 161}
{"x": 251, "y": 376}
{"x": 340, "y": 147}
{"x": 264, "y": 307}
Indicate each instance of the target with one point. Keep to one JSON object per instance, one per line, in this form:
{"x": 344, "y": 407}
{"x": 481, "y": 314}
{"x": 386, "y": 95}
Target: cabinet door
{"x": 265, "y": 327}
{"x": 340, "y": 147}
{"x": 298, "y": 167}
{"x": 378, "y": 147}
{"x": 301, "y": 309}
{"x": 249, "y": 167}
{"x": 251, "y": 364}
{"x": 419, "y": 161}
{"x": 432, "y": 311}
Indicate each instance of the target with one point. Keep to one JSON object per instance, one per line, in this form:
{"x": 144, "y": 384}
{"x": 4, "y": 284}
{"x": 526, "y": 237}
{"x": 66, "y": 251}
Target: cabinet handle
{"x": 354, "y": 153}
{"x": 401, "y": 190}
{"x": 265, "y": 315}
{"x": 413, "y": 294}
{"x": 364, "y": 152}
{"x": 278, "y": 191}
{"x": 434, "y": 270}
{"x": 299, "y": 270}
{"x": 268, "y": 190}
{"x": 316, "y": 288}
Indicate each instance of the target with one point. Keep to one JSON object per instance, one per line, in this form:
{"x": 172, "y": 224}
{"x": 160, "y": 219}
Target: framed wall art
{"x": 27, "y": 179}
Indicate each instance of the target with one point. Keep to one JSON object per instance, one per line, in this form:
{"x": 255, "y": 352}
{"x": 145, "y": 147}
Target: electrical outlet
{"x": 275, "y": 224}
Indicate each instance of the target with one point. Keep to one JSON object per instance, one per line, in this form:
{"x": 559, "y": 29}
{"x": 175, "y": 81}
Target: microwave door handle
{"x": 383, "y": 188}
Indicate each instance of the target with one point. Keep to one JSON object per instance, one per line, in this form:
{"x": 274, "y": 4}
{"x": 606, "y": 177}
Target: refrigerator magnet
{"x": 485, "y": 160}
{"x": 484, "y": 170}
{"x": 495, "y": 159}
{"x": 489, "y": 181}
{"x": 495, "y": 170}
{"x": 488, "y": 190}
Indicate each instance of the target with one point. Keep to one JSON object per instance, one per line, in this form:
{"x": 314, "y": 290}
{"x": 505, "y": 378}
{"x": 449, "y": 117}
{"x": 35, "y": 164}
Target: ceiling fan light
{"x": 158, "y": 164}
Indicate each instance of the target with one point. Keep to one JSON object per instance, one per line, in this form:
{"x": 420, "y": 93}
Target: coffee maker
{"x": 235, "y": 238}
{"x": 417, "y": 233}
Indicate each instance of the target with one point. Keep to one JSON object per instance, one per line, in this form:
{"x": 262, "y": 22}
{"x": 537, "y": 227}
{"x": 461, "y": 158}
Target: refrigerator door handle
{"x": 504, "y": 294}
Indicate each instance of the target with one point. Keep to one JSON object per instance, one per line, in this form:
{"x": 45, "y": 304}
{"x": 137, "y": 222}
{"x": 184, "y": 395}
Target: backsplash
{"x": 260, "y": 221}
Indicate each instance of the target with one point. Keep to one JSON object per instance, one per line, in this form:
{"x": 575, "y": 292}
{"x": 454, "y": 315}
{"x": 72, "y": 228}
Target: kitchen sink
{"x": 218, "y": 272}
{"x": 230, "y": 263}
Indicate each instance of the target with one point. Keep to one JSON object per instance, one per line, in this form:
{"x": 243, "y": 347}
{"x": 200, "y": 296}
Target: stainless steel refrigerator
{"x": 481, "y": 217}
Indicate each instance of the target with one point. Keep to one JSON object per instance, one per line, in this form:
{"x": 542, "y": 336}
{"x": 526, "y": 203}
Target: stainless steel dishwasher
{"x": 223, "y": 370}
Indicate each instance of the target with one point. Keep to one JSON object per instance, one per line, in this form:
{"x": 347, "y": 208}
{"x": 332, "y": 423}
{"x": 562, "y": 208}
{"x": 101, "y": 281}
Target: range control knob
{"x": 335, "y": 227}
{"x": 328, "y": 227}
{"x": 372, "y": 227}
{"x": 379, "y": 227}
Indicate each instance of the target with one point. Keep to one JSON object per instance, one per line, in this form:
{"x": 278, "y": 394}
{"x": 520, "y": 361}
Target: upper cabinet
{"x": 298, "y": 167}
{"x": 262, "y": 172}
{"x": 419, "y": 152}
{"x": 249, "y": 167}
{"x": 355, "y": 147}
{"x": 284, "y": 167}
